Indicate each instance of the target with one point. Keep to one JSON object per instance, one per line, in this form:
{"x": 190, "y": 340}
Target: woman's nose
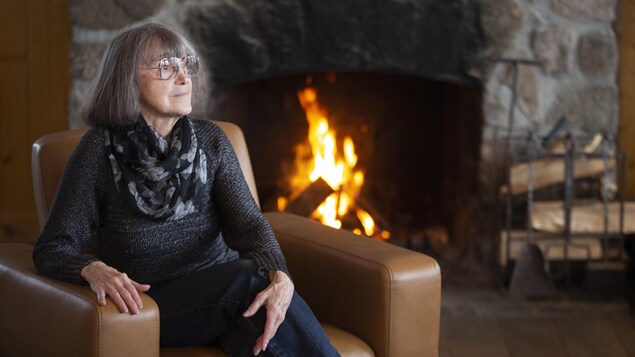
{"x": 181, "y": 76}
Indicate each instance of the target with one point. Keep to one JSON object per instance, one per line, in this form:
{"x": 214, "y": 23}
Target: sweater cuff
{"x": 74, "y": 266}
{"x": 270, "y": 260}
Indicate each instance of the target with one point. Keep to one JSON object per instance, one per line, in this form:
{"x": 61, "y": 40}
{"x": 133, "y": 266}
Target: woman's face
{"x": 163, "y": 99}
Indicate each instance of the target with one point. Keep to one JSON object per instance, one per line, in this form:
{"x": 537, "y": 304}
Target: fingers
{"x": 259, "y": 301}
{"x": 139, "y": 288}
{"x": 276, "y": 299}
{"x": 101, "y": 298}
{"x": 275, "y": 317}
{"x": 119, "y": 301}
{"x": 108, "y": 282}
{"x": 130, "y": 296}
{"x": 259, "y": 346}
{"x": 122, "y": 293}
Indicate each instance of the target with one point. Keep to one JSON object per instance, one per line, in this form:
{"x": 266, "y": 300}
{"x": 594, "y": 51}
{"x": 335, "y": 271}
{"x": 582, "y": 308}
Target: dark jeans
{"x": 206, "y": 308}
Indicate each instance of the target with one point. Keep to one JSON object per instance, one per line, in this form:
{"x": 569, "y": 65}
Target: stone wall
{"x": 573, "y": 39}
{"x": 575, "y": 42}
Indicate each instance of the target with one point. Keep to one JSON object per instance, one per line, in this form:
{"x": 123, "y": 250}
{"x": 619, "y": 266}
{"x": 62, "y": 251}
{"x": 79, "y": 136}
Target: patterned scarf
{"x": 159, "y": 179}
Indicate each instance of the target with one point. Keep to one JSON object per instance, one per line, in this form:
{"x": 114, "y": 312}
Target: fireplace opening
{"x": 417, "y": 142}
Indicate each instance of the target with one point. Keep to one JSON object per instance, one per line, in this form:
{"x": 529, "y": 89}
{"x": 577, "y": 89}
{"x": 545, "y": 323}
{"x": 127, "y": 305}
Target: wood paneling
{"x": 35, "y": 39}
{"x": 626, "y": 30}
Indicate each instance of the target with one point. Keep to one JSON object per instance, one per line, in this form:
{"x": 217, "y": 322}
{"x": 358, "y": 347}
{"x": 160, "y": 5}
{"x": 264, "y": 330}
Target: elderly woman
{"x": 164, "y": 198}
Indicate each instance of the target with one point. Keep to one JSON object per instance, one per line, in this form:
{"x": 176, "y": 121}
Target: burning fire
{"x": 336, "y": 167}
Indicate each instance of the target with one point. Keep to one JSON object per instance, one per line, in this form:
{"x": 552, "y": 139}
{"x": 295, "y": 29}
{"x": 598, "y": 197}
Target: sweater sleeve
{"x": 74, "y": 213}
{"x": 242, "y": 223}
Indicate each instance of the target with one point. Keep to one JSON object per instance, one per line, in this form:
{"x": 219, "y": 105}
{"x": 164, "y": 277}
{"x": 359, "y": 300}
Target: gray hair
{"x": 114, "y": 96}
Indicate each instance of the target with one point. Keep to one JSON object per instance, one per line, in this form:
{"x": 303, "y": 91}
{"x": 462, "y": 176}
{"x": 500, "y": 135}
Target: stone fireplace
{"x": 425, "y": 78}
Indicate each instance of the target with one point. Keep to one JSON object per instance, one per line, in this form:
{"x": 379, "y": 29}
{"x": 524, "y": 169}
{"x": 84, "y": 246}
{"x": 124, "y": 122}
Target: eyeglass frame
{"x": 171, "y": 63}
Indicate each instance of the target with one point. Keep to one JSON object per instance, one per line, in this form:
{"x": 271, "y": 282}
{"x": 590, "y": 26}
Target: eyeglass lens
{"x": 170, "y": 66}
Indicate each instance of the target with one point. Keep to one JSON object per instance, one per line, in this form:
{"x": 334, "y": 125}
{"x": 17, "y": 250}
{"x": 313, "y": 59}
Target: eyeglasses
{"x": 169, "y": 66}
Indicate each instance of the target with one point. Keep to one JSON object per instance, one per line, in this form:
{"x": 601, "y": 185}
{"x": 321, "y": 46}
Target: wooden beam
{"x": 626, "y": 36}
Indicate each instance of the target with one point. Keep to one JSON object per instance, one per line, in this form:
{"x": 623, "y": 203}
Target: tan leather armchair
{"x": 373, "y": 298}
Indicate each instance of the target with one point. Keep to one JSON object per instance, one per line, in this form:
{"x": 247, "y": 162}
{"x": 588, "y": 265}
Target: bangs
{"x": 163, "y": 44}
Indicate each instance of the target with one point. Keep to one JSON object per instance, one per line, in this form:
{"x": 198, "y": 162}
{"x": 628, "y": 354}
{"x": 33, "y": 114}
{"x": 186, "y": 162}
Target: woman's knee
{"x": 247, "y": 282}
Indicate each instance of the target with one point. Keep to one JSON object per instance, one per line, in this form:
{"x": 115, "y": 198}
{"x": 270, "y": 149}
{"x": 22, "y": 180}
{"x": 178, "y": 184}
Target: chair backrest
{"x": 50, "y": 154}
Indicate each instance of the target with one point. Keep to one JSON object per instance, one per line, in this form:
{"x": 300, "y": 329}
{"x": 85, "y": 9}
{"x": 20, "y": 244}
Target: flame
{"x": 282, "y": 203}
{"x": 336, "y": 167}
{"x": 367, "y": 221}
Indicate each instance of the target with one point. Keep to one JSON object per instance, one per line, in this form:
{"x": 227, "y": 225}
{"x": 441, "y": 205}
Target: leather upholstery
{"x": 374, "y": 299}
{"x": 47, "y": 317}
{"x": 388, "y": 296}
{"x": 47, "y": 156}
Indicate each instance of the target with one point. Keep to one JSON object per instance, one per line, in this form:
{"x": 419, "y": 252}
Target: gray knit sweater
{"x": 87, "y": 204}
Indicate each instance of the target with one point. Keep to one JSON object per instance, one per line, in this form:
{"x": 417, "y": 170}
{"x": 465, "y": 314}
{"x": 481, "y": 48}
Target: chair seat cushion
{"x": 345, "y": 343}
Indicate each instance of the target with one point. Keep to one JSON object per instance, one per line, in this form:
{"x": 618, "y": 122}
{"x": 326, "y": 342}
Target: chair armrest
{"x": 45, "y": 317}
{"x": 388, "y": 296}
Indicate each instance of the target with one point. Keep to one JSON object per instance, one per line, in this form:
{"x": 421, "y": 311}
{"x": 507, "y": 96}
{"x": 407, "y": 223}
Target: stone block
{"x": 597, "y": 54}
{"x": 500, "y": 22}
{"x": 551, "y": 45}
{"x": 586, "y": 10}
{"x": 591, "y": 109}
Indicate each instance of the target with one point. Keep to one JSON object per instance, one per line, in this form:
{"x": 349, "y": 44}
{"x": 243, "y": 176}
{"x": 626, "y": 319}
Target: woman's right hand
{"x": 105, "y": 280}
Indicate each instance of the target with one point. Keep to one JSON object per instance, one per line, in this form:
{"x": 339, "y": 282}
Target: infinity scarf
{"x": 161, "y": 180}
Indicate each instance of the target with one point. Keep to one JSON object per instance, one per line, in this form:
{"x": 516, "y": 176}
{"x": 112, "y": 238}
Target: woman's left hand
{"x": 276, "y": 299}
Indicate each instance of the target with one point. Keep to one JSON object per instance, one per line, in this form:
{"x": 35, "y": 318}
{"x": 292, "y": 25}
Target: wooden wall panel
{"x": 35, "y": 40}
{"x": 627, "y": 90}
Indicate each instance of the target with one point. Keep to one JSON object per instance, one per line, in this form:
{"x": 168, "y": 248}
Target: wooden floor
{"x": 488, "y": 323}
